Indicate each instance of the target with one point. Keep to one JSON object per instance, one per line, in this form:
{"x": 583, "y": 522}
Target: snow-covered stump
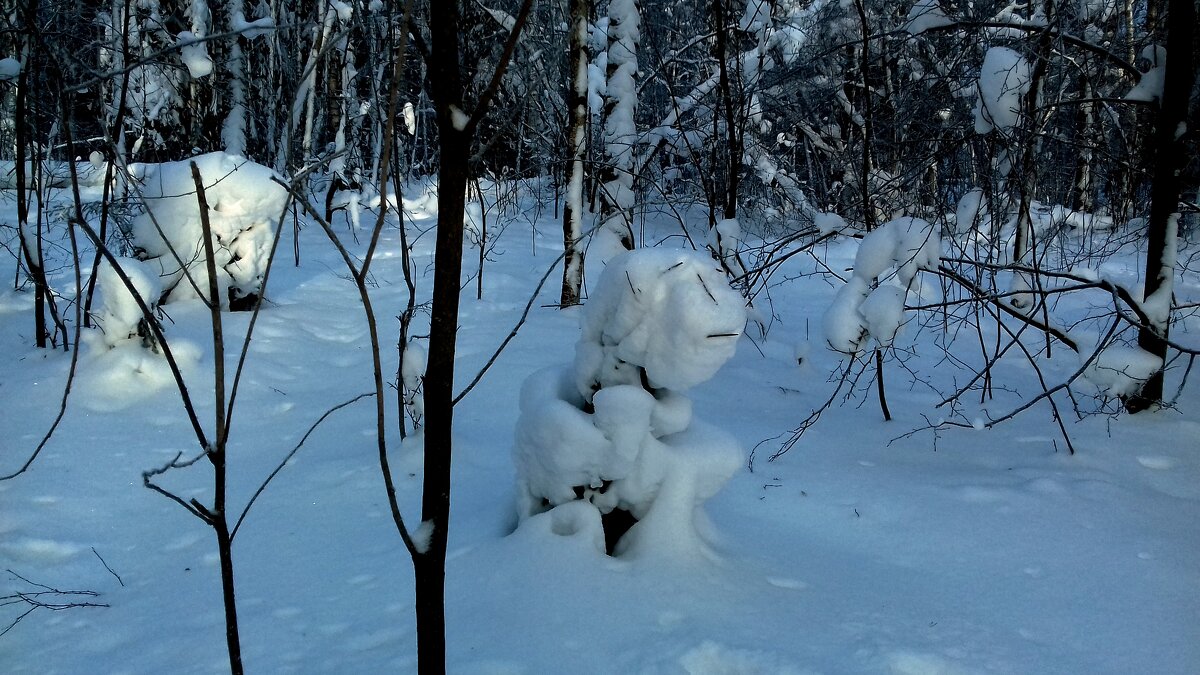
{"x": 613, "y": 433}
{"x": 245, "y": 203}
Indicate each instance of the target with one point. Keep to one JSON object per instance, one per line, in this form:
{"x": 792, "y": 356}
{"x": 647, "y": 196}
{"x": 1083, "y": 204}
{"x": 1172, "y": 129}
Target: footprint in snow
{"x": 1156, "y": 462}
{"x": 783, "y": 582}
{"x": 40, "y": 550}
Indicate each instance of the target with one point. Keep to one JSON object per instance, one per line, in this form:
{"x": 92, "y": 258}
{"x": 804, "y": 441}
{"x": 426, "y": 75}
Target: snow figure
{"x": 614, "y": 431}
{"x": 244, "y": 203}
{"x": 871, "y": 304}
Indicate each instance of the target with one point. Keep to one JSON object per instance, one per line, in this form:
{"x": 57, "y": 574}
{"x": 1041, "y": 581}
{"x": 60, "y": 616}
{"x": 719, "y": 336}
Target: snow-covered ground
{"x": 862, "y": 550}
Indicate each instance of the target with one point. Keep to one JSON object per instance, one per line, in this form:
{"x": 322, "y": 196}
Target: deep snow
{"x": 859, "y": 551}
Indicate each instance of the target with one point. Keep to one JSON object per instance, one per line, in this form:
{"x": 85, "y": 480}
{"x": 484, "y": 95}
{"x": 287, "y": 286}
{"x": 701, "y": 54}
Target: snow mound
{"x": 244, "y": 204}
{"x": 613, "y": 432}
{"x": 119, "y": 317}
{"x": 124, "y": 364}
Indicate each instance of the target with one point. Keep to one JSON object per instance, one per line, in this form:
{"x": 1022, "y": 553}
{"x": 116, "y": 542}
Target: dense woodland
{"x": 1034, "y": 139}
{"x": 770, "y": 111}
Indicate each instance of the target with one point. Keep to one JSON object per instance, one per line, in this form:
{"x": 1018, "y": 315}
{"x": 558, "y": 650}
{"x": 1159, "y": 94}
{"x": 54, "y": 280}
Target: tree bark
{"x": 429, "y": 565}
{"x": 577, "y": 105}
{"x": 1169, "y": 159}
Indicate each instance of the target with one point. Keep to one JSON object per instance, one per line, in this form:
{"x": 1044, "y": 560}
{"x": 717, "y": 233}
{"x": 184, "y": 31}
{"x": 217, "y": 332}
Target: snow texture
{"x": 615, "y": 430}
{"x": 620, "y": 131}
{"x": 971, "y": 212}
{"x": 757, "y": 16}
{"x": 829, "y": 222}
{"x": 410, "y": 118}
{"x": 245, "y": 204}
{"x": 458, "y": 118}
{"x": 1158, "y": 304}
{"x": 1004, "y": 78}
{"x": 251, "y": 29}
{"x": 724, "y": 239}
{"x": 412, "y": 376}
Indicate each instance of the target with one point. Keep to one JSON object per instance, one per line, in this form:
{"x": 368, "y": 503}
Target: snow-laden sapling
{"x": 871, "y": 304}
{"x": 245, "y": 203}
{"x": 614, "y": 430}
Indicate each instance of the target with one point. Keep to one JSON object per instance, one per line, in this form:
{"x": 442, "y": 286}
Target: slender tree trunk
{"x": 23, "y": 157}
{"x": 867, "y": 163}
{"x": 733, "y": 129}
{"x": 1169, "y": 159}
{"x": 1023, "y": 243}
{"x": 430, "y": 564}
{"x": 577, "y": 89}
{"x": 216, "y": 517}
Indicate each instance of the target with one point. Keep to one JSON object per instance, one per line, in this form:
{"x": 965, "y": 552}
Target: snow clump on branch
{"x": 1004, "y": 78}
{"x": 871, "y": 304}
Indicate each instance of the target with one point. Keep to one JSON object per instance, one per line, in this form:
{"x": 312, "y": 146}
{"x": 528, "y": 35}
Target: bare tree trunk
{"x": 456, "y": 131}
{"x": 1023, "y": 240}
{"x": 1169, "y": 159}
{"x": 733, "y": 129}
{"x": 577, "y": 89}
{"x": 867, "y": 164}
{"x": 216, "y": 517}
{"x": 29, "y": 252}
{"x": 430, "y": 564}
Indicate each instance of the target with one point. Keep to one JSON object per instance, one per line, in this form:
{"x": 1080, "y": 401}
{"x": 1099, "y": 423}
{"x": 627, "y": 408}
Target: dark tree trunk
{"x": 430, "y": 565}
{"x": 1169, "y": 159}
